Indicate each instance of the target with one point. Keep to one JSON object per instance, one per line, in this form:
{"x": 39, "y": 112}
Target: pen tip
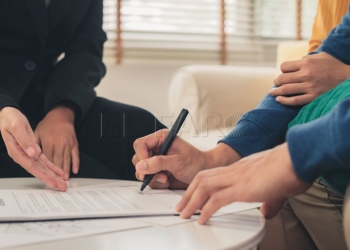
{"x": 143, "y": 186}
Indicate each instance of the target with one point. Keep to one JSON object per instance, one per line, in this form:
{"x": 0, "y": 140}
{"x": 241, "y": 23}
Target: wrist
{"x": 6, "y": 111}
{"x": 346, "y": 72}
{"x": 62, "y": 113}
{"x": 221, "y": 155}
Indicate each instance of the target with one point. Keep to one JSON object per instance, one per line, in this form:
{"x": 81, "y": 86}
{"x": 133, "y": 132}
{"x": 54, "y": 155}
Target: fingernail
{"x": 51, "y": 185}
{"x": 75, "y": 170}
{"x": 141, "y": 166}
{"x": 271, "y": 90}
{"x": 161, "y": 180}
{"x": 30, "y": 151}
{"x": 278, "y": 98}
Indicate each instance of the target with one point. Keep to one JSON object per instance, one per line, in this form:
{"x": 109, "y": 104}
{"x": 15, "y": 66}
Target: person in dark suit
{"x": 49, "y": 112}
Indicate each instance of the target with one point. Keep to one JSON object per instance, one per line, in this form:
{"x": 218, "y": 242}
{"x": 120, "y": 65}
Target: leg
{"x": 312, "y": 220}
{"x": 286, "y": 232}
{"x": 108, "y": 132}
{"x": 320, "y": 209}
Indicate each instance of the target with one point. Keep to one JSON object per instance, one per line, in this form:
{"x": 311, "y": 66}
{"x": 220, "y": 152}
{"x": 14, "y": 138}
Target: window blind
{"x": 277, "y": 18}
{"x": 190, "y": 31}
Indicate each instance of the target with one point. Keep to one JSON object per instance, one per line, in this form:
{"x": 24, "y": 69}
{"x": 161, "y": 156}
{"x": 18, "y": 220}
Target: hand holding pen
{"x": 174, "y": 170}
{"x": 167, "y": 143}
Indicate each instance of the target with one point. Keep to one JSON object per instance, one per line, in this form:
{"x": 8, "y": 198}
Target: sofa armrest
{"x": 216, "y": 96}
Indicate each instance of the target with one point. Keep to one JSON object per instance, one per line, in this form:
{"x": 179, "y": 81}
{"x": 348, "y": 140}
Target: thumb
{"x": 270, "y": 208}
{"x": 24, "y": 136}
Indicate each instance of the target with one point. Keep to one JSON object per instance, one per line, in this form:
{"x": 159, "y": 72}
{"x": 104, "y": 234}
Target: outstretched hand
{"x": 266, "y": 177}
{"x": 22, "y": 148}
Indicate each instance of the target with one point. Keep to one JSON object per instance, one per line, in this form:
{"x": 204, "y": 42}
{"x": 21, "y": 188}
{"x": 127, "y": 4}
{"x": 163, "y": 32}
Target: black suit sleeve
{"x": 6, "y": 100}
{"x": 75, "y": 76}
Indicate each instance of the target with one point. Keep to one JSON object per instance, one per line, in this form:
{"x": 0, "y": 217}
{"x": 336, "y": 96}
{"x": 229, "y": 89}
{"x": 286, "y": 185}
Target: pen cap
{"x": 172, "y": 134}
{"x": 179, "y": 121}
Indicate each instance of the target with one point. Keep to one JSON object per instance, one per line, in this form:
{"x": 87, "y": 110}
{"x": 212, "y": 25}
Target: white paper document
{"x": 17, "y": 234}
{"x": 31, "y": 205}
{"x": 174, "y": 220}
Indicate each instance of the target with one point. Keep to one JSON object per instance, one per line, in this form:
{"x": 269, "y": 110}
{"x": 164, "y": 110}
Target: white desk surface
{"x": 243, "y": 230}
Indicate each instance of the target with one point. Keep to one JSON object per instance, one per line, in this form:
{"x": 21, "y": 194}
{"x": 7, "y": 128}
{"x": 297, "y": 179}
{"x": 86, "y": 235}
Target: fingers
{"x": 58, "y": 155}
{"x": 160, "y": 181}
{"x": 66, "y": 162}
{"x": 291, "y": 66}
{"x": 75, "y": 160}
{"x": 215, "y": 202}
{"x": 288, "y": 89}
{"x": 203, "y": 186}
{"x": 45, "y": 162}
{"x": 270, "y": 208}
{"x": 24, "y": 136}
{"x": 152, "y": 142}
{"x": 36, "y": 168}
{"x": 286, "y": 78}
{"x": 295, "y": 100}
{"x": 158, "y": 163}
{"x": 48, "y": 150}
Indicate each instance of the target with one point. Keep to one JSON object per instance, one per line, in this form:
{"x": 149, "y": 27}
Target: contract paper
{"x": 166, "y": 221}
{"x": 33, "y": 205}
{"x": 18, "y": 234}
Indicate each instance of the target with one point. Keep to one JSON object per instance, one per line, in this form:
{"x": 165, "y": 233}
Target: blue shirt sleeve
{"x": 327, "y": 141}
{"x": 266, "y": 126}
{"x": 261, "y": 128}
{"x": 337, "y": 44}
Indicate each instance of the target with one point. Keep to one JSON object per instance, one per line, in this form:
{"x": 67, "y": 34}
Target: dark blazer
{"x": 33, "y": 36}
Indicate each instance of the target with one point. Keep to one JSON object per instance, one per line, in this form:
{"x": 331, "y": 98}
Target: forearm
{"x": 75, "y": 76}
{"x": 221, "y": 155}
{"x": 261, "y": 128}
{"x": 321, "y": 145}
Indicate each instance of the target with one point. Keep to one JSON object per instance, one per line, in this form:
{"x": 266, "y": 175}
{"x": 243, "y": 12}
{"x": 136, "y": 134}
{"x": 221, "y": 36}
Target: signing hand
{"x": 56, "y": 135}
{"x": 23, "y": 149}
{"x": 308, "y": 78}
{"x": 266, "y": 177}
{"x": 175, "y": 170}
{"x": 182, "y": 162}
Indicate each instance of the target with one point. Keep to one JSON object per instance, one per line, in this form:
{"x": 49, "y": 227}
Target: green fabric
{"x": 337, "y": 179}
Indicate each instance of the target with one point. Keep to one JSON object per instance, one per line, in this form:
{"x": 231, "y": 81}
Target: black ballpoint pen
{"x": 167, "y": 143}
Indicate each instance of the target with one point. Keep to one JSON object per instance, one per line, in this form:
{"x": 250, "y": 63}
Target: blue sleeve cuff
{"x": 261, "y": 128}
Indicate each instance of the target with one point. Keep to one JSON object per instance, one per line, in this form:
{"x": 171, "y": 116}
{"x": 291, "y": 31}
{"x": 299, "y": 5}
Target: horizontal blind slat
{"x": 189, "y": 30}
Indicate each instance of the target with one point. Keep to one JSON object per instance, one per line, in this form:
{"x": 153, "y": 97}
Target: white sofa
{"x": 216, "y": 96}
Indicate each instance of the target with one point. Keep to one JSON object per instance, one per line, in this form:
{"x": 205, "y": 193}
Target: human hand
{"x": 21, "y": 146}
{"x": 266, "y": 177}
{"x": 182, "y": 162}
{"x": 57, "y": 137}
{"x": 308, "y": 78}
{"x": 176, "y": 170}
